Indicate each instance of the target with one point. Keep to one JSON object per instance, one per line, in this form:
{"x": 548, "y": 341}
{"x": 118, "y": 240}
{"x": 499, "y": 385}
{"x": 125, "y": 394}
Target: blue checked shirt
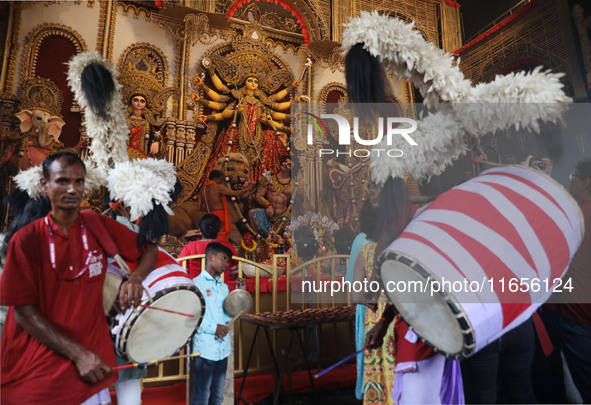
{"x": 214, "y": 292}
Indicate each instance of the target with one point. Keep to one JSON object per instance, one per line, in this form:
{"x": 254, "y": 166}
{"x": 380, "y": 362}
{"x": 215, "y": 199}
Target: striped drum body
{"x": 486, "y": 254}
{"x": 147, "y": 333}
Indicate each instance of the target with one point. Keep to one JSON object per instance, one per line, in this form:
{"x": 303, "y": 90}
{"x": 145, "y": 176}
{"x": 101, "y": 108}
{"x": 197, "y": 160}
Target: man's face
{"x": 286, "y": 165}
{"x": 65, "y": 186}
{"x": 219, "y": 262}
{"x": 579, "y": 186}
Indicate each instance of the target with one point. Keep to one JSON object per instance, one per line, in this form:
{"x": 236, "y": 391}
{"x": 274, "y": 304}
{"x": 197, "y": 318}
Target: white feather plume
{"x": 136, "y": 183}
{"x": 519, "y": 100}
{"x": 403, "y": 52}
{"x": 109, "y": 136}
{"x": 95, "y": 178}
{"x": 30, "y": 181}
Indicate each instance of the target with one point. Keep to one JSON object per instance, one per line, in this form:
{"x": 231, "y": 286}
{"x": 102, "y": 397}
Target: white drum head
{"x": 153, "y": 334}
{"x": 436, "y": 318}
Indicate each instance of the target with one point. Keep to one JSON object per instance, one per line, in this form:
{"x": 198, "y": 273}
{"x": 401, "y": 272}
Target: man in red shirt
{"x": 56, "y": 347}
{"x": 576, "y": 322}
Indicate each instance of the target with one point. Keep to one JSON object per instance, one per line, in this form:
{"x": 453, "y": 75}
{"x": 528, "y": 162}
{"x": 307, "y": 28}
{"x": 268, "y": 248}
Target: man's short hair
{"x": 215, "y": 174}
{"x": 214, "y": 248}
{"x": 68, "y": 157}
{"x": 584, "y": 168}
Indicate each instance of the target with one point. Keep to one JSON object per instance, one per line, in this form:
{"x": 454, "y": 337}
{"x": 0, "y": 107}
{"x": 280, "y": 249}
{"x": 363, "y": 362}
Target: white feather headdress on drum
{"x": 145, "y": 186}
{"x": 517, "y": 99}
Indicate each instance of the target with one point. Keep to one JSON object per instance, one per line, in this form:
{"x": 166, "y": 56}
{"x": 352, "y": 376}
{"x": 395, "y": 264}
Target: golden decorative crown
{"x": 140, "y": 76}
{"x": 41, "y": 94}
{"x": 251, "y": 56}
{"x": 137, "y": 82}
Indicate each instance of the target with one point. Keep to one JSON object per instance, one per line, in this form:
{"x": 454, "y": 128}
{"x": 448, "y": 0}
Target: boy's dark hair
{"x": 214, "y": 248}
{"x": 367, "y": 217}
{"x": 394, "y": 210}
{"x": 584, "y": 168}
{"x": 306, "y": 243}
{"x": 343, "y": 239}
{"x": 215, "y": 174}
{"x": 210, "y": 226}
{"x": 69, "y": 158}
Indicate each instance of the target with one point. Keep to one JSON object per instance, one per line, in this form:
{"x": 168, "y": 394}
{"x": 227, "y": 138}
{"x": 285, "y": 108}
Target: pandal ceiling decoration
{"x": 287, "y": 7}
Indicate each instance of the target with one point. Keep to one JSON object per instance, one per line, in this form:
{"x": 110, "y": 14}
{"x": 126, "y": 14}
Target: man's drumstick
{"x": 147, "y": 363}
{"x": 167, "y": 310}
{"x": 338, "y": 363}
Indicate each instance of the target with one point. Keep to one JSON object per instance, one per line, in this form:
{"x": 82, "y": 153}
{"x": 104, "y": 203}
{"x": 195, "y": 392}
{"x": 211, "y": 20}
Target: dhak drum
{"x": 144, "y": 334}
{"x": 501, "y": 241}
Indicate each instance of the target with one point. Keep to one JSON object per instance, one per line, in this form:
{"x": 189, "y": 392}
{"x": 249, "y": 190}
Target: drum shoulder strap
{"x": 99, "y": 231}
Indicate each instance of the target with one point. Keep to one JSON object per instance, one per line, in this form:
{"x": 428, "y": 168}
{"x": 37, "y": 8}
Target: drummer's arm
{"x": 90, "y": 365}
{"x": 375, "y": 337}
{"x": 131, "y": 290}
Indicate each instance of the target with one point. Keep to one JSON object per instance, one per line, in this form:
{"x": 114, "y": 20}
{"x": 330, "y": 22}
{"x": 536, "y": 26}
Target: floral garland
{"x": 518, "y": 99}
{"x": 249, "y": 250}
{"x": 286, "y": 6}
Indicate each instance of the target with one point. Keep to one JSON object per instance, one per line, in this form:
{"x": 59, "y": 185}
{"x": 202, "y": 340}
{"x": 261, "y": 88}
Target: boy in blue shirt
{"x": 211, "y": 339}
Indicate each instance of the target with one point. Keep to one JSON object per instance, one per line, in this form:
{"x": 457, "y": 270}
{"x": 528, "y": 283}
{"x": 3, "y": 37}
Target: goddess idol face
{"x": 138, "y": 103}
{"x": 252, "y": 83}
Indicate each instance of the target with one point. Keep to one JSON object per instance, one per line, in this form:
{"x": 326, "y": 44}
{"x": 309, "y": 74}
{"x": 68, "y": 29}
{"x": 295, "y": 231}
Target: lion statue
{"x": 187, "y": 215}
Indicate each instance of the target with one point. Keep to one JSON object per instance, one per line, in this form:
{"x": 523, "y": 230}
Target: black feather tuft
{"x": 25, "y": 210}
{"x": 153, "y": 225}
{"x": 98, "y": 87}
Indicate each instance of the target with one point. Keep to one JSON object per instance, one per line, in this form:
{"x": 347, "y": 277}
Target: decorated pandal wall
{"x": 212, "y": 85}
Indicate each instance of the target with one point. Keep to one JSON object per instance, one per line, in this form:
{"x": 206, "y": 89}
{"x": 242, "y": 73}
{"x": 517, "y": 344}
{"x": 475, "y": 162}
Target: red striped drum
{"x": 481, "y": 258}
{"x": 161, "y": 327}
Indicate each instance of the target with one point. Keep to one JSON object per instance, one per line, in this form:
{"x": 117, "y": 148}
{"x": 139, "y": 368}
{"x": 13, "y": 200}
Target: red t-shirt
{"x": 198, "y": 248}
{"x": 578, "y": 306}
{"x": 408, "y": 351}
{"x": 31, "y": 372}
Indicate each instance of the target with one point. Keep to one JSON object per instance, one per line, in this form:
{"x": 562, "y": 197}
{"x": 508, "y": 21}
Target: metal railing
{"x": 273, "y": 274}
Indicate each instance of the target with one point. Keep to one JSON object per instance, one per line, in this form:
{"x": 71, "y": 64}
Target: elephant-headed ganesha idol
{"x": 40, "y": 125}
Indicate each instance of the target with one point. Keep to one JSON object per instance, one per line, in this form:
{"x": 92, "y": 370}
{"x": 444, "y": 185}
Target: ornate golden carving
{"x": 269, "y": 19}
{"x": 311, "y": 14}
{"x": 173, "y": 25}
{"x": 41, "y": 94}
{"x": 327, "y": 54}
{"x": 177, "y": 76}
{"x": 193, "y": 28}
{"x": 13, "y": 49}
{"x": 107, "y": 19}
{"x": 333, "y": 86}
{"x": 126, "y": 7}
{"x": 35, "y": 39}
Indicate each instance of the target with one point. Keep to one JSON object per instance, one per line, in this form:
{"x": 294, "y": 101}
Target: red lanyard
{"x": 52, "y": 249}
